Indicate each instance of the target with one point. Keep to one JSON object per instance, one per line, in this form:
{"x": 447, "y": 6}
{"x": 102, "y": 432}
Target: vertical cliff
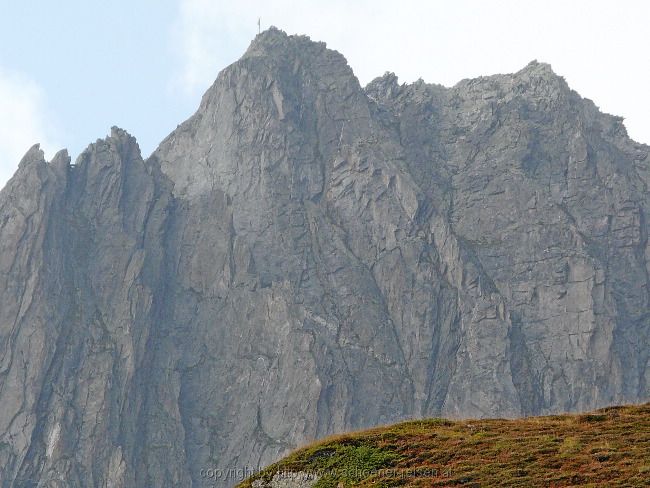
{"x": 305, "y": 256}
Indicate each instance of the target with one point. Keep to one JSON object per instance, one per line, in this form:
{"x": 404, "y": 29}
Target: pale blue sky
{"x": 97, "y": 64}
{"x": 71, "y": 69}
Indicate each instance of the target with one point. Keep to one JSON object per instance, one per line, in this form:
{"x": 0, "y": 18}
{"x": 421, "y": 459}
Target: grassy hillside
{"x": 609, "y": 447}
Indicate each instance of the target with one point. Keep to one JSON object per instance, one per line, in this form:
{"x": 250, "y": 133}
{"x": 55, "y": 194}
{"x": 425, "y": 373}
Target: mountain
{"x": 305, "y": 256}
{"x": 607, "y": 448}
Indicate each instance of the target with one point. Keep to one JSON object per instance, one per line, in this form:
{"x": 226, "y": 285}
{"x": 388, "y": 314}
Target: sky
{"x": 71, "y": 69}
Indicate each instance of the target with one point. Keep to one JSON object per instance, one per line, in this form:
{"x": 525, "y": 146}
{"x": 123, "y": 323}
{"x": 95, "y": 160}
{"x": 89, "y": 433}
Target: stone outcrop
{"x": 305, "y": 256}
{"x": 288, "y": 480}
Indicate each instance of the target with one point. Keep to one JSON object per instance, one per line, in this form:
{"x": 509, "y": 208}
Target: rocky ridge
{"x": 306, "y": 256}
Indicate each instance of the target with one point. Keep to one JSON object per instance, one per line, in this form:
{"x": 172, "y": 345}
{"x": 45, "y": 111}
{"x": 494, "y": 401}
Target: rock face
{"x": 305, "y": 256}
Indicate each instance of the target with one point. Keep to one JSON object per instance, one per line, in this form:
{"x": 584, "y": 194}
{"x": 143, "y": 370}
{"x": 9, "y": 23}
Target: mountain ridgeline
{"x": 305, "y": 256}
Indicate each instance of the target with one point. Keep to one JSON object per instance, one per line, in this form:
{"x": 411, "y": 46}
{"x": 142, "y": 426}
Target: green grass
{"x": 606, "y": 448}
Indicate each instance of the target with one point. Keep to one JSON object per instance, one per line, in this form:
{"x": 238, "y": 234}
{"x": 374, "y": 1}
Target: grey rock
{"x": 305, "y": 256}
{"x": 289, "y": 479}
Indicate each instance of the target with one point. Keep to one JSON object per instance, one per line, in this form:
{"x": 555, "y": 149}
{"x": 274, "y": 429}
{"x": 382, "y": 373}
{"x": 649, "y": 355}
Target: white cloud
{"x": 23, "y": 122}
{"x": 599, "y": 46}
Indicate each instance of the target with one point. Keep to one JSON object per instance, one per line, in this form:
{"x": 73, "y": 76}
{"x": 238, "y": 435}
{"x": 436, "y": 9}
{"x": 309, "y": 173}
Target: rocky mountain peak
{"x": 110, "y": 152}
{"x": 539, "y": 68}
{"x": 61, "y": 163}
{"x": 542, "y": 78}
{"x": 289, "y": 50}
{"x": 61, "y": 158}
{"x": 276, "y": 41}
{"x": 33, "y": 156}
{"x": 31, "y": 177}
{"x": 303, "y": 257}
{"x": 119, "y": 134}
{"x": 283, "y": 84}
{"x": 385, "y": 86}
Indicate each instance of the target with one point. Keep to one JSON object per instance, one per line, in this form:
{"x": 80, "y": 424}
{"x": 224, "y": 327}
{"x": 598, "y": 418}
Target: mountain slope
{"x": 609, "y": 447}
{"x": 305, "y": 256}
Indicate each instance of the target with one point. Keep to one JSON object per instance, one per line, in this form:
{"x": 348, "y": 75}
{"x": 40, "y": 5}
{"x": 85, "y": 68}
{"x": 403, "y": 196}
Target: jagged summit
{"x": 304, "y": 256}
{"x": 61, "y": 162}
{"x": 385, "y": 86}
{"x": 119, "y": 133}
{"x": 293, "y": 83}
{"x": 276, "y": 40}
{"x": 60, "y": 156}
{"x": 33, "y": 155}
{"x": 36, "y": 154}
{"x": 539, "y": 67}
